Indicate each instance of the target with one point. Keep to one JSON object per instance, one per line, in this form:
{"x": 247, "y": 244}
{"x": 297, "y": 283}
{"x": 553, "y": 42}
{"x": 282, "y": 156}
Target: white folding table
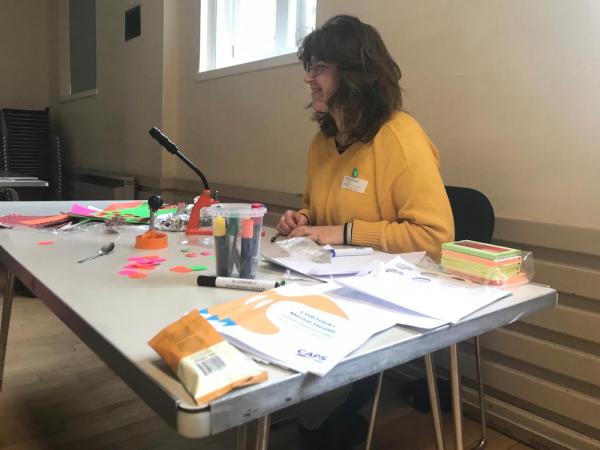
{"x": 116, "y": 316}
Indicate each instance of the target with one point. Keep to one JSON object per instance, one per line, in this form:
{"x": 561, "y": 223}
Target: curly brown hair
{"x": 369, "y": 89}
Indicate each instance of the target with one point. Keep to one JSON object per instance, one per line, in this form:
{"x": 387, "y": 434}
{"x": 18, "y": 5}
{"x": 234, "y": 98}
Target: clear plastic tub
{"x": 237, "y": 229}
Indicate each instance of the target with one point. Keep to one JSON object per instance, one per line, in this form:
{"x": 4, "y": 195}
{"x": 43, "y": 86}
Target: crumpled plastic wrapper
{"x": 305, "y": 249}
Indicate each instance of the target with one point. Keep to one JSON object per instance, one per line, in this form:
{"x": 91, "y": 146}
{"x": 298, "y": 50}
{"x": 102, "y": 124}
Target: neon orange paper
{"x": 45, "y": 220}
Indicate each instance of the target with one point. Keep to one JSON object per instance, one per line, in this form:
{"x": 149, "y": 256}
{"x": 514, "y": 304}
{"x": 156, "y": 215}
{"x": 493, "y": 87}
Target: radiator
{"x": 92, "y": 186}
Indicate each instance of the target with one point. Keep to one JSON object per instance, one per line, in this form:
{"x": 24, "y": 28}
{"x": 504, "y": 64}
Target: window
{"x": 235, "y": 32}
{"x": 82, "y": 46}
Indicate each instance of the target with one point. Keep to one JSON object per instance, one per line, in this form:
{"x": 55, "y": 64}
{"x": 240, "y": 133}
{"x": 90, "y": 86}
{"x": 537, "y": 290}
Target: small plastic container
{"x": 237, "y": 229}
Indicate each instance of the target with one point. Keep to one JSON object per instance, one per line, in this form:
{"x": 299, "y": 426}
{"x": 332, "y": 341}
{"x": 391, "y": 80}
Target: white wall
{"x": 24, "y": 50}
{"x": 250, "y": 129}
{"x": 508, "y": 90}
{"x": 109, "y": 131}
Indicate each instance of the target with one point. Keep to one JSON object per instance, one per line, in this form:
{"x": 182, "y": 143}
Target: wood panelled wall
{"x": 542, "y": 373}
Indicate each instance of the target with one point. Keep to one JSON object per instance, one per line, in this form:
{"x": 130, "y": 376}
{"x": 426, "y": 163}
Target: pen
{"x": 221, "y": 247}
{"x": 238, "y": 283}
{"x": 247, "y": 243}
{"x": 274, "y": 238}
{"x": 351, "y": 251}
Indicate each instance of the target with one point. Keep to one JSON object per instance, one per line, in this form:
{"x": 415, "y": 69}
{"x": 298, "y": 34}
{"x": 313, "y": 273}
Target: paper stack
{"x": 481, "y": 262}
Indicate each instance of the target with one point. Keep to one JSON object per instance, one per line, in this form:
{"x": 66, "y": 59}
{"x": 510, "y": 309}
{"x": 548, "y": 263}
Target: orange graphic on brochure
{"x": 250, "y": 311}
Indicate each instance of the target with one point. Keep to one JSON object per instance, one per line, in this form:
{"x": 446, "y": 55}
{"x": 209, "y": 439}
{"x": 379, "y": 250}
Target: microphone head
{"x": 163, "y": 140}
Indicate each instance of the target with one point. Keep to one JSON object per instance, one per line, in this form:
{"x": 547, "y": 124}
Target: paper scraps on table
{"x": 33, "y": 221}
{"x": 180, "y": 269}
{"x": 144, "y": 263}
{"x": 138, "y": 275}
{"x": 188, "y": 269}
{"x": 132, "y": 212}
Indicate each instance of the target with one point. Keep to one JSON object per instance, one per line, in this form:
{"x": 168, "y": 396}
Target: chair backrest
{"x": 473, "y": 214}
{"x": 28, "y": 147}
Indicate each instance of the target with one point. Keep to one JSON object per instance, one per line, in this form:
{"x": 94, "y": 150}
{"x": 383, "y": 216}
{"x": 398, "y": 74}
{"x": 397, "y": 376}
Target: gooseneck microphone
{"x": 172, "y": 148}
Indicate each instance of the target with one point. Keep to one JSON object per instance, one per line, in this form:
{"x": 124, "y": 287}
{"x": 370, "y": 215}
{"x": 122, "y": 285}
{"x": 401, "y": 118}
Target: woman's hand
{"x": 332, "y": 235}
{"x": 289, "y": 221}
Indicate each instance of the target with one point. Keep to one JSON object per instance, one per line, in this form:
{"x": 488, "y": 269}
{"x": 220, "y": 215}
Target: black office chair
{"x": 473, "y": 219}
{"x": 473, "y": 214}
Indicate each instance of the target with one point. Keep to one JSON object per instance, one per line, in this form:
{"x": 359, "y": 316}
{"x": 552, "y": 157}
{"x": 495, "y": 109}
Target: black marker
{"x": 238, "y": 283}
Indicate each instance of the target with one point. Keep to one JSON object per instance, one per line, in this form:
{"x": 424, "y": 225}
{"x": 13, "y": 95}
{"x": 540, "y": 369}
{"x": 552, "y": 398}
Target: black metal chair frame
{"x": 473, "y": 219}
{"x": 30, "y": 147}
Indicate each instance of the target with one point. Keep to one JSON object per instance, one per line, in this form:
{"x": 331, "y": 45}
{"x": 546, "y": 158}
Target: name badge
{"x": 354, "y": 184}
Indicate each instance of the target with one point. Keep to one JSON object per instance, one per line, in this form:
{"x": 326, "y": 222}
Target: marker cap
{"x": 206, "y": 280}
{"x": 247, "y": 228}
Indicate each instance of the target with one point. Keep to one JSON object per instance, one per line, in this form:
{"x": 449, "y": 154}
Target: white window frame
{"x": 208, "y": 27}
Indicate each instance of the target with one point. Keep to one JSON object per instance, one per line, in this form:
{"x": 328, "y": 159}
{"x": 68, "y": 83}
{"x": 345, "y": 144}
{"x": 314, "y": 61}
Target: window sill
{"x": 253, "y": 66}
{"x": 78, "y": 95}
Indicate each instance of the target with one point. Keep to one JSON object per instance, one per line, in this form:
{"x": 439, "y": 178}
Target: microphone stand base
{"x": 204, "y": 201}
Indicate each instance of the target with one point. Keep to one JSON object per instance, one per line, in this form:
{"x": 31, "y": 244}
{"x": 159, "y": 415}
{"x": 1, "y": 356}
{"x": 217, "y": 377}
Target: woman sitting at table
{"x": 373, "y": 176}
{"x": 373, "y": 179}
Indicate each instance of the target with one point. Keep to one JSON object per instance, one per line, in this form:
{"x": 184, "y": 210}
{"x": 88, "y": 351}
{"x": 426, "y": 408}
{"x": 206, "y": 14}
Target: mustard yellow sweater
{"x": 404, "y": 206}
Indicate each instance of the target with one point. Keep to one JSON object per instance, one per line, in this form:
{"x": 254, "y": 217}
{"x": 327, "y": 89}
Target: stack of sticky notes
{"x": 481, "y": 262}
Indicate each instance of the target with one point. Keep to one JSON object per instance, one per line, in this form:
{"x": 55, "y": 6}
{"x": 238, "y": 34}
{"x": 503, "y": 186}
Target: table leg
{"x": 242, "y": 437}
{"x": 455, "y": 390}
{"x": 436, "y": 414}
{"x": 6, "y": 310}
{"x": 483, "y": 441}
{"x": 13, "y": 194}
{"x": 262, "y": 434}
{"x": 374, "y": 410}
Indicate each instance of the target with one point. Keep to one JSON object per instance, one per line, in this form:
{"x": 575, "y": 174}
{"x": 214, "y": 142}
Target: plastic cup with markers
{"x": 236, "y": 231}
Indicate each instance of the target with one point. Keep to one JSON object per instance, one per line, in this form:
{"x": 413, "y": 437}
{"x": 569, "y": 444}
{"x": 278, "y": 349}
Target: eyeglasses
{"x": 318, "y": 68}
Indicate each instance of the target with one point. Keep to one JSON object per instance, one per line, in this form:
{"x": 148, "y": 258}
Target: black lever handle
{"x": 155, "y": 202}
{"x": 172, "y": 148}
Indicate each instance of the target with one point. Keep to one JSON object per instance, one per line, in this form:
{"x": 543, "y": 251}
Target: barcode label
{"x": 209, "y": 363}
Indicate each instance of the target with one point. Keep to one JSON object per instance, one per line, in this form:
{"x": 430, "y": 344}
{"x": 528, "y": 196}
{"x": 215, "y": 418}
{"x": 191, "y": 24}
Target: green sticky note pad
{"x": 481, "y": 249}
{"x": 197, "y": 268}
